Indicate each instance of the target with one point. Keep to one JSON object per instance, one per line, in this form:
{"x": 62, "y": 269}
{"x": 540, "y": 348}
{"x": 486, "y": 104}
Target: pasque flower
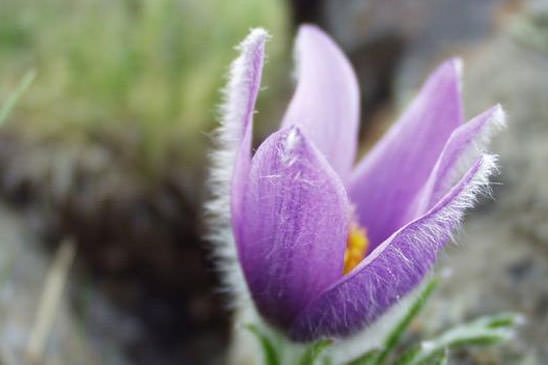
{"x": 326, "y": 246}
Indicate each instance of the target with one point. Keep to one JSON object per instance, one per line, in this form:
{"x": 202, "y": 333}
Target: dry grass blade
{"x": 49, "y": 301}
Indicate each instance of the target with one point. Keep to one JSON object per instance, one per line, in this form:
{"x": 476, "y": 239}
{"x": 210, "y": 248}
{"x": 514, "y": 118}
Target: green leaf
{"x": 481, "y": 332}
{"x": 313, "y": 352}
{"x": 10, "y": 102}
{"x": 506, "y": 319}
{"x": 269, "y": 351}
{"x": 395, "y": 335}
{"x": 366, "y": 358}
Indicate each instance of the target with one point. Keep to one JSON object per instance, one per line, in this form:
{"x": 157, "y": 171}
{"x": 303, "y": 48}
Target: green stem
{"x": 395, "y": 336}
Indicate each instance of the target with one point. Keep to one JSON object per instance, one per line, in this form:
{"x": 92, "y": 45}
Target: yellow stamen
{"x": 356, "y": 247}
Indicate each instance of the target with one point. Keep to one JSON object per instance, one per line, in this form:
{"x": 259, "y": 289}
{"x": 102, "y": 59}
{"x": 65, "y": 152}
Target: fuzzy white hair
{"x": 227, "y": 138}
{"x": 478, "y": 146}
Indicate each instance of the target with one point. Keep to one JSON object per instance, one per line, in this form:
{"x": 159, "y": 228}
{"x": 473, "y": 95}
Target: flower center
{"x": 356, "y": 247}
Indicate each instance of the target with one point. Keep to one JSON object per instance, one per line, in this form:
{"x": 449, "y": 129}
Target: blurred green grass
{"x": 143, "y": 70}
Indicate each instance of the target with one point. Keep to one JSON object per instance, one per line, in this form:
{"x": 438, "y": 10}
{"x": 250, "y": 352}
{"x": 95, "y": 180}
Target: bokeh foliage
{"x": 147, "y": 70}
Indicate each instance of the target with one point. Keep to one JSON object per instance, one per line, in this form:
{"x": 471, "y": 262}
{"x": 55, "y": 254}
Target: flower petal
{"x": 464, "y": 146}
{"x": 240, "y": 95}
{"x": 387, "y": 180}
{"x": 295, "y": 220}
{"x": 326, "y": 102}
{"x": 394, "y": 268}
{"x": 242, "y": 92}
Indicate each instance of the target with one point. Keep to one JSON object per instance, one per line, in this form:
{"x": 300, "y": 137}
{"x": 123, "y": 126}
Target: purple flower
{"x": 326, "y": 246}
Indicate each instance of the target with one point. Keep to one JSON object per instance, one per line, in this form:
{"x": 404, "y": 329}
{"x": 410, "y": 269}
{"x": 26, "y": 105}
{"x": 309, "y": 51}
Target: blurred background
{"x": 105, "y": 155}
